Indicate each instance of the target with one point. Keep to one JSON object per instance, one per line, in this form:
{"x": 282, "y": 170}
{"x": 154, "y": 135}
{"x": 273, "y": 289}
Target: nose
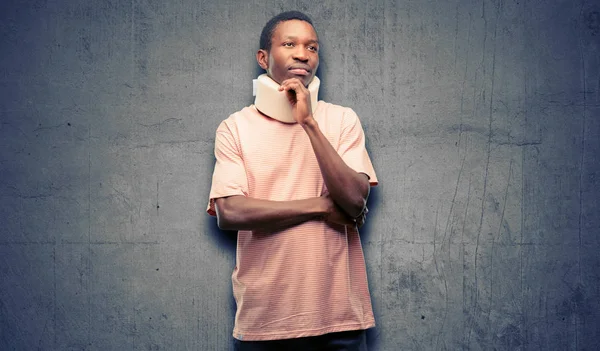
{"x": 300, "y": 53}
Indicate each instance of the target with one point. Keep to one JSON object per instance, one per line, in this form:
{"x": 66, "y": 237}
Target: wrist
{"x": 321, "y": 210}
{"x": 309, "y": 123}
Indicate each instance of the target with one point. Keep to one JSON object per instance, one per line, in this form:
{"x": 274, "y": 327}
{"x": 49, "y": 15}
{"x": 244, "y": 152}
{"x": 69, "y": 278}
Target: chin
{"x": 306, "y": 80}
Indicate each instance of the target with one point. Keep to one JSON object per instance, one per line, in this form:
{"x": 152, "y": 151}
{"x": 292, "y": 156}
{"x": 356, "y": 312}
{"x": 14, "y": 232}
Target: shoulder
{"x": 248, "y": 112}
{"x": 239, "y": 119}
{"x": 341, "y": 114}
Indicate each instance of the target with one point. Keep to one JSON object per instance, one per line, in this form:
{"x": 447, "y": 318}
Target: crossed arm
{"x": 347, "y": 190}
{"x": 245, "y": 213}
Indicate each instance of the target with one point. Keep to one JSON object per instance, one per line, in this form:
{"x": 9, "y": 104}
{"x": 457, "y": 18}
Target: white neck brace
{"x": 274, "y": 103}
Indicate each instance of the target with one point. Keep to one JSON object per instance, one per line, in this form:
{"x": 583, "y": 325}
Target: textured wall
{"x": 481, "y": 117}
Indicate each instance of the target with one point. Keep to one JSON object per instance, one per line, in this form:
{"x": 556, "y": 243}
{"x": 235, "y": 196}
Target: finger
{"x": 293, "y": 84}
{"x": 355, "y": 221}
{"x": 292, "y": 80}
{"x": 292, "y": 89}
{"x": 285, "y": 84}
{"x": 363, "y": 218}
{"x": 291, "y": 93}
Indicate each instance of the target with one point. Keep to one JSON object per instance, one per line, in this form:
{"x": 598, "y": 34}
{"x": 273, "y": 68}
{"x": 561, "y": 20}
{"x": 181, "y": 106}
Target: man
{"x": 296, "y": 193}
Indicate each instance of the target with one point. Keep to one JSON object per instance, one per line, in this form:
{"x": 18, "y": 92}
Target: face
{"x": 294, "y": 52}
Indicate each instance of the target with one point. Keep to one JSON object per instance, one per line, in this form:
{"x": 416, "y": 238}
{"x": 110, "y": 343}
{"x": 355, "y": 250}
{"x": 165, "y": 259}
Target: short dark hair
{"x": 267, "y": 33}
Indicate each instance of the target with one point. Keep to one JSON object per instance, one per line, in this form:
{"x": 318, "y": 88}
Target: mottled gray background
{"x": 481, "y": 117}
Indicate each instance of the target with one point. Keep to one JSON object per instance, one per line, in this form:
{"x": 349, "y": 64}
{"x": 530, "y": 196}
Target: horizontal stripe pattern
{"x": 310, "y": 279}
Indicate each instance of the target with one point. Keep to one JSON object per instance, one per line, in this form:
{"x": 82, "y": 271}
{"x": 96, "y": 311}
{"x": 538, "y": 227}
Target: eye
{"x": 313, "y": 48}
{"x": 288, "y": 44}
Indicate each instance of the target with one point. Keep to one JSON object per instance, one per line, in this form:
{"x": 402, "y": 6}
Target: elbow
{"x": 359, "y": 201}
{"x": 355, "y": 204}
{"x": 357, "y": 207}
{"x": 225, "y": 217}
{"x": 223, "y": 223}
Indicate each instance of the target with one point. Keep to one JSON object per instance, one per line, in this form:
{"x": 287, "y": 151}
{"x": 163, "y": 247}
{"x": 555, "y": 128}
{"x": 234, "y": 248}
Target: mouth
{"x": 299, "y": 71}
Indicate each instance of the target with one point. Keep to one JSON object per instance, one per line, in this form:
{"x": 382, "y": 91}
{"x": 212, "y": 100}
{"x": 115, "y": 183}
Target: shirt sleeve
{"x": 229, "y": 177}
{"x": 352, "y": 146}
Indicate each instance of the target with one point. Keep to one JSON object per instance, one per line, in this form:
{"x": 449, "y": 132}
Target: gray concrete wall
{"x": 481, "y": 117}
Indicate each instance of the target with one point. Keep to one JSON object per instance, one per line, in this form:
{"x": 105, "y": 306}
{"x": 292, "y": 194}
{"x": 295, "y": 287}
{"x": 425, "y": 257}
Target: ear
{"x": 262, "y": 57}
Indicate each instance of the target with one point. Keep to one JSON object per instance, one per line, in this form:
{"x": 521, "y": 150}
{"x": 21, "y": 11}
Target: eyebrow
{"x": 312, "y": 41}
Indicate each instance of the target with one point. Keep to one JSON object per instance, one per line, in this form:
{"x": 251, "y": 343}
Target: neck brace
{"x": 274, "y": 103}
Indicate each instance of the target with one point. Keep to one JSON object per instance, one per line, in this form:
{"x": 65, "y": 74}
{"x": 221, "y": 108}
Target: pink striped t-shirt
{"x": 309, "y": 279}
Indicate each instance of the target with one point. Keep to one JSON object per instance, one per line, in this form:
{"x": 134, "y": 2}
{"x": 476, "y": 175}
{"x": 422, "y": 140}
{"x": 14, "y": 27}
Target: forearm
{"x": 348, "y": 188}
{"x": 245, "y": 213}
